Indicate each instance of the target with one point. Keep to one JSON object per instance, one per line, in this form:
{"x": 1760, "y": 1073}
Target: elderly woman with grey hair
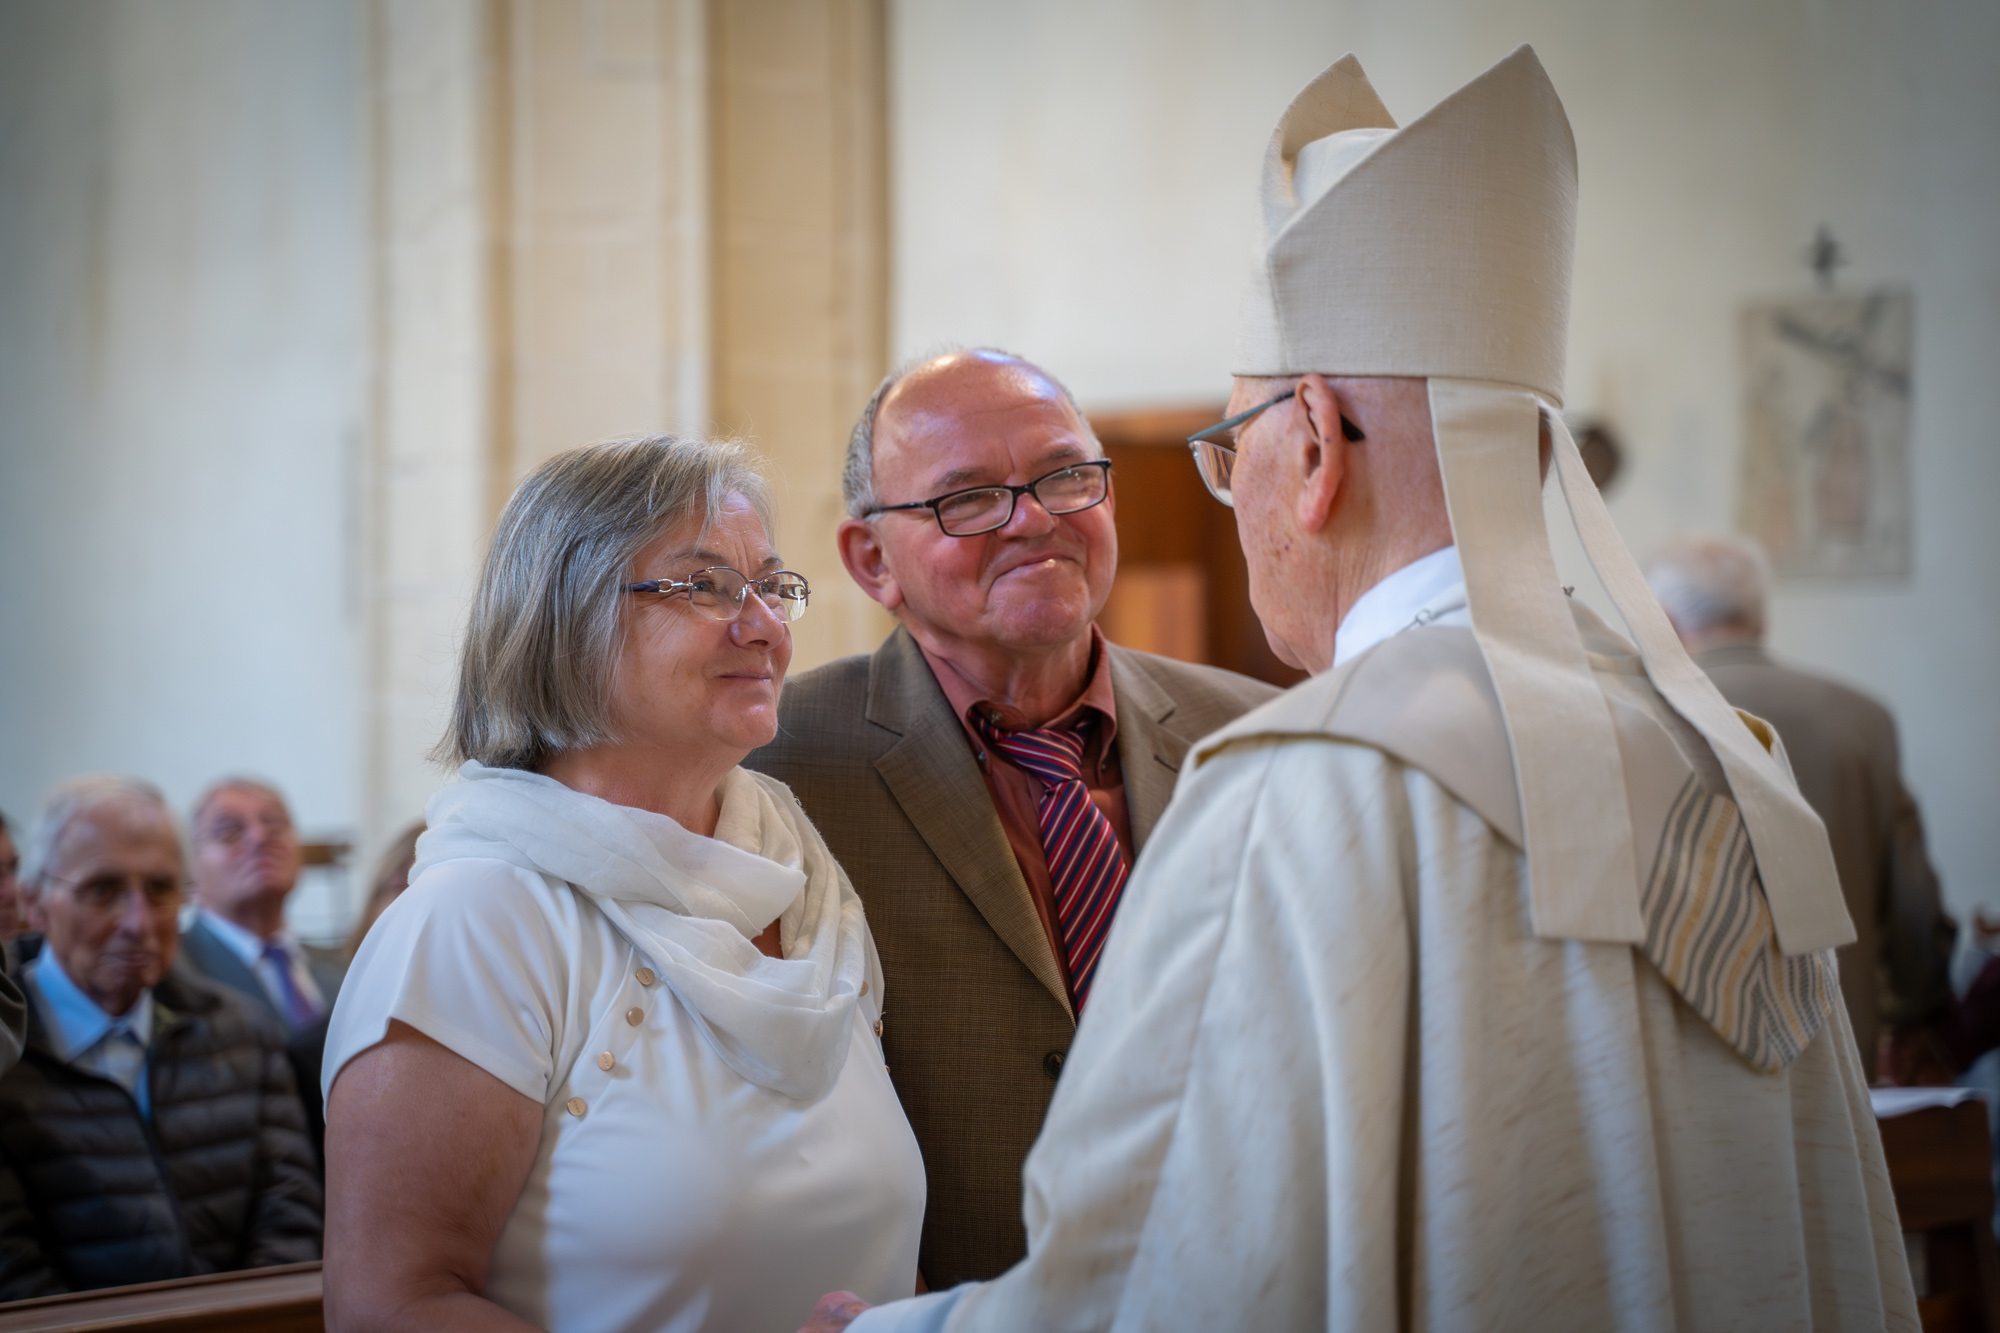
{"x": 613, "y": 1060}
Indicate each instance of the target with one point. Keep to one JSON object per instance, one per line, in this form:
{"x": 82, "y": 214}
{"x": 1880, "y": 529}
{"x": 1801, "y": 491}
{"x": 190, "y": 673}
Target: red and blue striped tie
{"x": 1086, "y": 864}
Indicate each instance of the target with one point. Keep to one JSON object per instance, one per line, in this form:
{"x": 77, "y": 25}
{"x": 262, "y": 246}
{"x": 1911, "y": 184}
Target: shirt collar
{"x": 1416, "y": 594}
{"x": 73, "y": 1019}
{"x": 967, "y": 699}
{"x": 242, "y": 943}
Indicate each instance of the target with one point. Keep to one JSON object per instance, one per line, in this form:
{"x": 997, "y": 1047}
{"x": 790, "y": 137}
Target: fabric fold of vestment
{"x": 1583, "y": 876}
{"x": 1426, "y": 698}
{"x": 1794, "y": 858}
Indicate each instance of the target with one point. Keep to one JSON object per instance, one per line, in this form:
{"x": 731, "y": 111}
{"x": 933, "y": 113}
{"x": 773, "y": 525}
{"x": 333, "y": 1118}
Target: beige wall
{"x": 1076, "y": 182}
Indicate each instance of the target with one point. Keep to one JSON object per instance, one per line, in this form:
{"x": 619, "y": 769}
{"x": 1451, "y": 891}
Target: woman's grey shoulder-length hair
{"x": 547, "y": 622}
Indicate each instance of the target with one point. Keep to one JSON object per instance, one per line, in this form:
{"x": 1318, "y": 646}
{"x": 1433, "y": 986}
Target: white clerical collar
{"x": 1422, "y": 592}
{"x": 73, "y": 1020}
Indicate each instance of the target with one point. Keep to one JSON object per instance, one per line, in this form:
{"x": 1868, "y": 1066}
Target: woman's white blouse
{"x": 668, "y": 1191}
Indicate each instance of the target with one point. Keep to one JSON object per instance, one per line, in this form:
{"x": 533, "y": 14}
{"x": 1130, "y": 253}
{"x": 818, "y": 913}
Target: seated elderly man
{"x": 151, "y": 1131}
{"x": 246, "y": 864}
{"x": 988, "y": 775}
{"x": 1895, "y": 977}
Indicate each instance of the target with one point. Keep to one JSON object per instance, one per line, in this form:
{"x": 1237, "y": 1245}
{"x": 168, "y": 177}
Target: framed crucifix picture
{"x": 1826, "y": 475}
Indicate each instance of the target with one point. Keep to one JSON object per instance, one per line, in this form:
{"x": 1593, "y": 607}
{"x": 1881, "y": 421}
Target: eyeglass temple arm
{"x": 1348, "y": 429}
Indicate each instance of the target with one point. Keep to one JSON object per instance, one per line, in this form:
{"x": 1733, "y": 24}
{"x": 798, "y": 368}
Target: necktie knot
{"x": 1053, "y": 755}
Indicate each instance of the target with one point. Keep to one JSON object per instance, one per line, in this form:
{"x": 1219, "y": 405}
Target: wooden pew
{"x": 259, "y": 1300}
{"x": 1941, "y": 1168}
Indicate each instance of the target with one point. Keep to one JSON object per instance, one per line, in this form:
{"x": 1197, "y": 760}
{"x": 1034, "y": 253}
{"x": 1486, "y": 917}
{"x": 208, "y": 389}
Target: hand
{"x": 835, "y": 1311}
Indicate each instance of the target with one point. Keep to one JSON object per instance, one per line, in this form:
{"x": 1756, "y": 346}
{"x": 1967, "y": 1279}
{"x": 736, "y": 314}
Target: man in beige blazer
{"x": 980, "y": 515}
{"x": 1842, "y": 745}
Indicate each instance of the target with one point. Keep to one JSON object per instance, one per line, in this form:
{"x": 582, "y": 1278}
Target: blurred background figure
{"x": 1843, "y": 749}
{"x": 151, "y": 1130}
{"x": 307, "y": 1047}
{"x": 246, "y": 863}
{"x": 10, "y": 901}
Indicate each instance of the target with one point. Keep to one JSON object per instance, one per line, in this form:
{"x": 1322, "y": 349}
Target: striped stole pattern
{"x": 1086, "y": 865}
{"x": 1709, "y": 932}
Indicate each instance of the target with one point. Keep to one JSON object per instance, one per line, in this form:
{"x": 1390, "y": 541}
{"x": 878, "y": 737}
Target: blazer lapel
{"x": 932, "y": 775}
{"x": 1149, "y": 753}
{"x": 220, "y": 963}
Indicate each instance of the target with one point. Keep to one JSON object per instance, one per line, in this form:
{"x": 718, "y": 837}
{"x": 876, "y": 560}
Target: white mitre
{"x": 1442, "y": 251}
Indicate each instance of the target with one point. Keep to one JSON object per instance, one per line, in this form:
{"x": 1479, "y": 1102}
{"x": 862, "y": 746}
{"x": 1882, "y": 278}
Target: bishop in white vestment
{"x": 1483, "y": 981}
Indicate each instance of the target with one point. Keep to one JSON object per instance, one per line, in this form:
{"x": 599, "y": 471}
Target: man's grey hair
{"x": 857, "y": 475}
{"x": 70, "y": 801}
{"x": 234, "y": 782}
{"x": 547, "y": 621}
{"x": 1711, "y": 582}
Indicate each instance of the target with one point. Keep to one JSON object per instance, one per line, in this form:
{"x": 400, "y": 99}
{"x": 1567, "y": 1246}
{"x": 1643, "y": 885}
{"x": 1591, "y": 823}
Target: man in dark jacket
{"x": 151, "y": 1130}
{"x": 1843, "y": 749}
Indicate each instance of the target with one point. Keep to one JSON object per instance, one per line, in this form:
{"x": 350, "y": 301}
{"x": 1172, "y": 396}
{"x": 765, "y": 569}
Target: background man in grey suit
{"x": 988, "y": 774}
{"x": 246, "y": 863}
{"x": 1842, "y": 744}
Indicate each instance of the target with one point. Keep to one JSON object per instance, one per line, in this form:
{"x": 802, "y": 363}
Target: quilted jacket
{"x": 220, "y": 1177}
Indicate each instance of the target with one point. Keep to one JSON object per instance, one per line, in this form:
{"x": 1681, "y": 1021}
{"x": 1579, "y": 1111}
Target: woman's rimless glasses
{"x": 979, "y": 509}
{"x": 1215, "y": 461}
{"x": 717, "y": 592}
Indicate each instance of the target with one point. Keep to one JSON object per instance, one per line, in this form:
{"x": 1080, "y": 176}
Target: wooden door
{"x": 1183, "y": 590}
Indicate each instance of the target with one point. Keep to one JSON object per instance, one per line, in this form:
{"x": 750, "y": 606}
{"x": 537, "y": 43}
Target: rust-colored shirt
{"x": 1017, "y": 794}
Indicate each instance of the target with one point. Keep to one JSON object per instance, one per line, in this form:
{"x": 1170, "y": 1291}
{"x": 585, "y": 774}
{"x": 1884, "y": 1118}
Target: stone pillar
{"x": 606, "y": 225}
{"x": 800, "y": 278}
{"x": 433, "y": 462}
{"x": 541, "y": 193}
{"x": 554, "y": 183}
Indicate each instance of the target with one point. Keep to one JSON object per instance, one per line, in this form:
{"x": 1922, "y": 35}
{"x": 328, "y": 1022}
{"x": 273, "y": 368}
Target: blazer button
{"x": 1052, "y": 1064}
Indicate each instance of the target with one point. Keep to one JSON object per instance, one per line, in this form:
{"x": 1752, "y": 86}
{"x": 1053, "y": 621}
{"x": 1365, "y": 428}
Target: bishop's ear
{"x": 867, "y": 563}
{"x": 1323, "y": 444}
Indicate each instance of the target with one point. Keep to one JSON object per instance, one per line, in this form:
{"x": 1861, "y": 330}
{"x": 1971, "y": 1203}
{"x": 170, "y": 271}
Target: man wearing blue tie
{"x": 246, "y": 863}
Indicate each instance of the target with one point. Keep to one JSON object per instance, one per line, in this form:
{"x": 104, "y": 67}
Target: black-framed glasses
{"x": 1217, "y": 461}
{"x": 980, "y": 509}
{"x": 717, "y": 592}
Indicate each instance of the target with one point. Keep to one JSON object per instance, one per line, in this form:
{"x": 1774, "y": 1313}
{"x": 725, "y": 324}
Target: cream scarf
{"x": 693, "y": 905}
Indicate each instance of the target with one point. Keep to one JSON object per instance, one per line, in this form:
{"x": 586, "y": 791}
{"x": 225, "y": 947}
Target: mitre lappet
{"x": 1442, "y": 250}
